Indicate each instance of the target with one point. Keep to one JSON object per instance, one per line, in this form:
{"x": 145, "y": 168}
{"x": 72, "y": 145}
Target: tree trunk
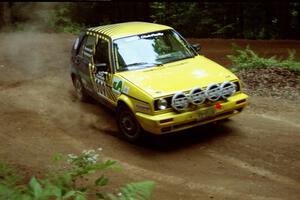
{"x": 284, "y": 19}
{"x": 6, "y": 14}
{"x": 240, "y": 19}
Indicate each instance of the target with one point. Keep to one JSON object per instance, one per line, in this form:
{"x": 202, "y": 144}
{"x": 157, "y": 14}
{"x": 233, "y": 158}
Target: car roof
{"x": 124, "y": 29}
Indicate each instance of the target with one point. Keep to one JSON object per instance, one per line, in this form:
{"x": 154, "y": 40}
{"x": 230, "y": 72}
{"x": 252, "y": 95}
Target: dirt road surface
{"x": 255, "y": 155}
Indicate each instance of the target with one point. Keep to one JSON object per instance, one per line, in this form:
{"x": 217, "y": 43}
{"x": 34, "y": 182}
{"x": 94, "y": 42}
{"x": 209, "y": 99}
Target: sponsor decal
{"x": 126, "y": 89}
{"x": 100, "y": 76}
{"x": 117, "y": 85}
{"x": 101, "y": 84}
{"x": 151, "y": 35}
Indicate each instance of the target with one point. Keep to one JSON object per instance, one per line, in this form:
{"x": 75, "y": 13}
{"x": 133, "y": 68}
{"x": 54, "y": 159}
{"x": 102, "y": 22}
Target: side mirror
{"x": 197, "y": 47}
{"x": 101, "y": 66}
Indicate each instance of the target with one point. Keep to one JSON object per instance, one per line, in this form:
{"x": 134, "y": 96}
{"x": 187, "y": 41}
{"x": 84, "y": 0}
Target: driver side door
{"x": 84, "y": 61}
{"x": 103, "y": 71}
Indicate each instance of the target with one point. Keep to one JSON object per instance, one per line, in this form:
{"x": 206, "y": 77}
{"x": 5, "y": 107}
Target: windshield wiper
{"x": 192, "y": 56}
{"x": 143, "y": 63}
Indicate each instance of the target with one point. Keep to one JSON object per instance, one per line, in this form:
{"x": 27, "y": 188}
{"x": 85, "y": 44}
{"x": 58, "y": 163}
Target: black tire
{"x": 81, "y": 94}
{"x": 129, "y": 127}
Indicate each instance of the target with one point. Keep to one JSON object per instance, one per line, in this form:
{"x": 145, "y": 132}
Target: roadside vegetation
{"x": 248, "y": 59}
{"x": 273, "y": 76}
{"x": 73, "y": 177}
{"x": 57, "y": 20}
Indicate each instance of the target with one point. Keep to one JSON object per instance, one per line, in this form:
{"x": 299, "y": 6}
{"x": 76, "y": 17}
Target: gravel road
{"x": 254, "y": 155}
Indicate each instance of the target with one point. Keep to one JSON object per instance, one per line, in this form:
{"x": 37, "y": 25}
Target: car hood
{"x": 178, "y": 76}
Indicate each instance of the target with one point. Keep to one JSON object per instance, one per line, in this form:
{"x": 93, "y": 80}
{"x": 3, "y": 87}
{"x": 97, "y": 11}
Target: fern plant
{"x": 136, "y": 191}
{"x": 248, "y": 59}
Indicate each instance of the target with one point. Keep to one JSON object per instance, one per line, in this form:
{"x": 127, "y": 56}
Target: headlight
{"x": 162, "y": 104}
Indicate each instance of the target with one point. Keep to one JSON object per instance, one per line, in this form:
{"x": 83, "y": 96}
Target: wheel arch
{"x": 126, "y": 101}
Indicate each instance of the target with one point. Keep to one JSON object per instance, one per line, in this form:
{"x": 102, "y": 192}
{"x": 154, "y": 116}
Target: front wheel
{"x": 128, "y": 125}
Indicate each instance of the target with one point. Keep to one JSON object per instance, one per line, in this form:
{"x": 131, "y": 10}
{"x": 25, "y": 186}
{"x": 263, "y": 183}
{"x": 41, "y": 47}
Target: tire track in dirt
{"x": 4, "y": 86}
{"x": 134, "y": 171}
{"x": 257, "y": 170}
{"x": 280, "y": 120}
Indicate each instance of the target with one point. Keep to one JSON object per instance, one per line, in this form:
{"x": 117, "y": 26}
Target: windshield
{"x": 151, "y": 49}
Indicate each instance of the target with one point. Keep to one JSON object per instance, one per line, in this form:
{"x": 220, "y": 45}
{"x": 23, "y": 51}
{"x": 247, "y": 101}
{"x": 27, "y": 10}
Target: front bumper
{"x": 174, "y": 121}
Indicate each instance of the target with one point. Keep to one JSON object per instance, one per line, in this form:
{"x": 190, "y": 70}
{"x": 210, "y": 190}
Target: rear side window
{"x": 82, "y": 46}
{"x": 87, "y": 47}
{"x": 76, "y": 43}
{"x": 90, "y": 42}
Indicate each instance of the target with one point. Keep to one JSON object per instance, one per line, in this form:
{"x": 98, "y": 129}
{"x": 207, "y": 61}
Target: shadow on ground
{"x": 173, "y": 141}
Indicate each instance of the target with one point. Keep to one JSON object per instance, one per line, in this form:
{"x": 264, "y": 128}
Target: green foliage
{"x": 8, "y": 175}
{"x": 177, "y": 15}
{"x": 248, "y": 59}
{"x": 59, "y": 19}
{"x": 42, "y": 16}
{"x": 250, "y": 20}
{"x": 196, "y": 19}
{"x": 158, "y": 11}
{"x": 77, "y": 179}
{"x": 140, "y": 190}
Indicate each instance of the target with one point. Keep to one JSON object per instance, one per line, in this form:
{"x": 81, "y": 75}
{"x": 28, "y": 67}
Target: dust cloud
{"x": 29, "y": 51}
{"x": 34, "y": 68}
{"x": 31, "y": 16}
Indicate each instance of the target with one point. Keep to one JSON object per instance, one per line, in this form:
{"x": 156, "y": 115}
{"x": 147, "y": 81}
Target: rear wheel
{"x": 128, "y": 125}
{"x": 79, "y": 89}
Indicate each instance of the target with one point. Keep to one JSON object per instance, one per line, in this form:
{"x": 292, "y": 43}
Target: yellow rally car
{"x": 153, "y": 78}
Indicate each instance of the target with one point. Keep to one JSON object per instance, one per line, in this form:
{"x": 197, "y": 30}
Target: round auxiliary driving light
{"x": 180, "y": 101}
{"x": 228, "y": 89}
{"x": 213, "y": 92}
{"x": 197, "y": 96}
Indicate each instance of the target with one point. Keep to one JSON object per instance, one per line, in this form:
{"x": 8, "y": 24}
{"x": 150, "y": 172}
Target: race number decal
{"x": 100, "y": 77}
{"x": 101, "y": 84}
{"x": 117, "y": 85}
{"x": 126, "y": 89}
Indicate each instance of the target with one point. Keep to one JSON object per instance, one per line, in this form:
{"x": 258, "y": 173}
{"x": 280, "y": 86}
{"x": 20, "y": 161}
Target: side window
{"x": 76, "y": 43}
{"x": 82, "y": 46}
{"x": 87, "y": 47}
{"x": 101, "y": 55}
{"x": 90, "y": 42}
